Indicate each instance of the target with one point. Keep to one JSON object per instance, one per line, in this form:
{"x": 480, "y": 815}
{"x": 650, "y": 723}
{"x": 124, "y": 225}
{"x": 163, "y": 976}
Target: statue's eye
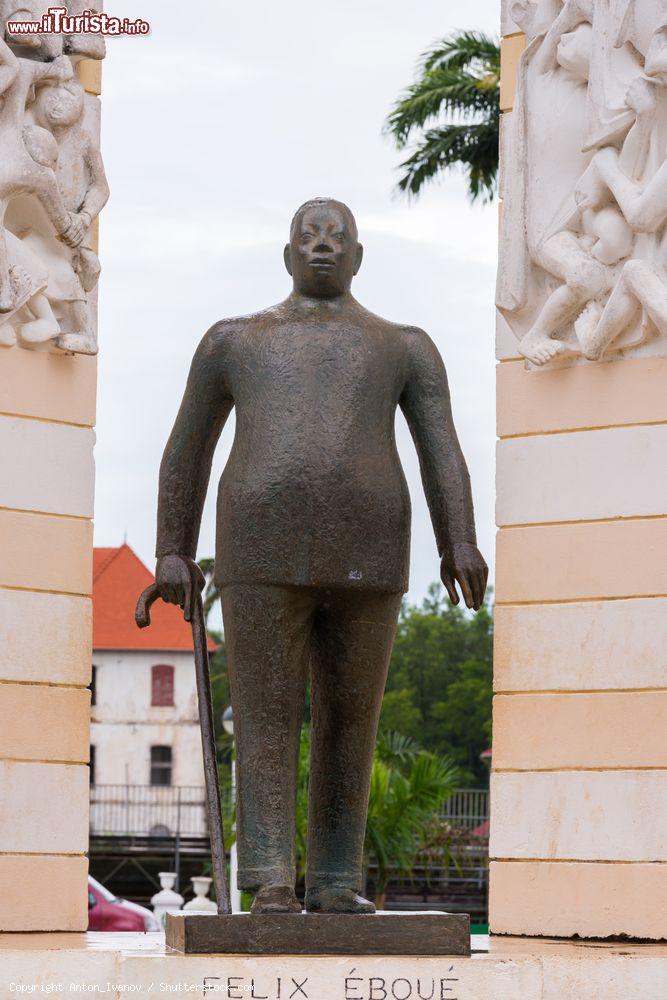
{"x": 339, "y": 237}
{"x": 305, "y": 237}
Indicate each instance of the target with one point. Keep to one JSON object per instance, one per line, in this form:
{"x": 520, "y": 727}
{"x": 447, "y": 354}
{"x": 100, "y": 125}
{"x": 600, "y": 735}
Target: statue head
{"x": 656, "y": 57}
{"x": 575, "y": 51}
{"x": 523, "y": 13}
{"x": 324, "y": 252}
{"x": 59, "y": 106}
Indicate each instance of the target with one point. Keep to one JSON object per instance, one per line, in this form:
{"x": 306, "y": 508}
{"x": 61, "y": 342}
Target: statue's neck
{"x": 311, "y": 304}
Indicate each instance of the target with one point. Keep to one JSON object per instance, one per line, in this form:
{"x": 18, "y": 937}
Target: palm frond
{"x": 395, "y": 748}
{"x": 440, "y": 92}
{"x": 402, "y": 805}
{"x": 452, "y": 111}
{"x": 474, "y": 147}
{"x": 464, "y": 48}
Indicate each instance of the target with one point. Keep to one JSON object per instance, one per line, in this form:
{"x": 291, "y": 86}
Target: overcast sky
{"x": 216, "y": 127}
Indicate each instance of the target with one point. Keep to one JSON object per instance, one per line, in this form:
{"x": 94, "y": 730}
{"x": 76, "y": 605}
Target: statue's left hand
{"x": 465, "y": 565}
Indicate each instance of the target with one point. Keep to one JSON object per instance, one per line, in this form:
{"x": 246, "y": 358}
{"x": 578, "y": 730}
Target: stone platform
{"x": 382, "y": 933}
{"x": 116, "y": 966}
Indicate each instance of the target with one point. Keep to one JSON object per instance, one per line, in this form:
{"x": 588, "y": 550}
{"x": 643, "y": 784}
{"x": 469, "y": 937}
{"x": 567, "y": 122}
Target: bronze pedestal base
{"x": 319, "y": 934}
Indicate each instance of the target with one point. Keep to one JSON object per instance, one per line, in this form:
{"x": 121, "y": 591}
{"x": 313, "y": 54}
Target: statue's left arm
{"x": 426, "y": 403}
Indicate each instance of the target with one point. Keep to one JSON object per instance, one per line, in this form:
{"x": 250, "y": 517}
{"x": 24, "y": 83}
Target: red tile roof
{"x": 119, "y": 576}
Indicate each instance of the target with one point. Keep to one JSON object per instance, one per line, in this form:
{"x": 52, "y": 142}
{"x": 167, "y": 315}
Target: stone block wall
{"x": 47, "y": 414}
{"x": 579, "y": 782}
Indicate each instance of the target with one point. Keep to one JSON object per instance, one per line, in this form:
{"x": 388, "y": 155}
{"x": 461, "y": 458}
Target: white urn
{"x": 201, "y": 885}
{"x": 167, "y": 900}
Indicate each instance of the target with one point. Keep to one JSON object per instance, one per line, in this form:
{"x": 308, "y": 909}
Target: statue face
{"x": 323, "y": 254}
{"x": 656, "y": 58}
{"x": 575, "y": 51}
{"x": 60, "y": 105}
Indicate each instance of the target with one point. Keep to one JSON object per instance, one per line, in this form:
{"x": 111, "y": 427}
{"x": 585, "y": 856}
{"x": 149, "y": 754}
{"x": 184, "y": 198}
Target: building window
{"x": 93, "y": 686}
{"x": 162, "y": 686}
{"x": 92, "y": 765}
{"x": 160, "y": 765}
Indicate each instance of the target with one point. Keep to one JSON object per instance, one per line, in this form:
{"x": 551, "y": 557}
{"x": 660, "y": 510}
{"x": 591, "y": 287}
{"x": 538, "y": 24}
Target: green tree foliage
{"x": 450, "y": 116}
{"x": 440, "y": 681}
{"x": 408, "y": 788}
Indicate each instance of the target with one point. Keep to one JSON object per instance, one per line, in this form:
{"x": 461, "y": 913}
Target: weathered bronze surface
{"x": 313, "y": 532}
{"x": 320, "y": 934}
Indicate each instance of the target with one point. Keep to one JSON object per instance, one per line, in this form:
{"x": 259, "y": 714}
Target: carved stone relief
{"x": 52, "y": 186}
{"x": 583, "y": 246}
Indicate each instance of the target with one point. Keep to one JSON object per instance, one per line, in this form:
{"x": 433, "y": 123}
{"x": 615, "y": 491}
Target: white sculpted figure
{"x": 585, "y": 202}
{"x": 23, "y": 171}
{"x": 73, "y": 273}
{"x": 52, "y": 186}
{"x": 642, "y": 284}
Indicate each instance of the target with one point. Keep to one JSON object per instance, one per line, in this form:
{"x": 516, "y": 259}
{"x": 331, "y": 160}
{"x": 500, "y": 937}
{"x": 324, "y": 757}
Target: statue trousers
{"x": 275, "y": 637}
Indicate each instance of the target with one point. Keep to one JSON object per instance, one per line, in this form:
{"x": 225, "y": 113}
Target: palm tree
{"x": 452, "y": 113}
{"x": 408, "y": 788}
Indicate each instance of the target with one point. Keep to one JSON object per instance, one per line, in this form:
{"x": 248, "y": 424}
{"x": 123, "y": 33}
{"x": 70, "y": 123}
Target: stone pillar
{"x": 579, "y": 783}
{"x": 47, "y": 412}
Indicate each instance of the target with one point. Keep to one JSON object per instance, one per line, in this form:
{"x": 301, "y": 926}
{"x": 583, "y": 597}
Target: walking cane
{"x": 142, "y": 617}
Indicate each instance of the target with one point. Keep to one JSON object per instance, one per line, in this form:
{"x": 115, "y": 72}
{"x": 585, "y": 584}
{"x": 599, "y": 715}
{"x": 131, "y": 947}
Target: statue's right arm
{"x": 9, "y": 66}
{"x": 186, "y": 468}
{"x": 97, "y": 194}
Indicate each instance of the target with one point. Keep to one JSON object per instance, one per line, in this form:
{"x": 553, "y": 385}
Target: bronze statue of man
{"x": 312, "y": 553}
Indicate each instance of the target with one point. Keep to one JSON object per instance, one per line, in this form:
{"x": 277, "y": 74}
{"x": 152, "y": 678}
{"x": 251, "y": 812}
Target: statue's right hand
{"x": 179, "y": 580}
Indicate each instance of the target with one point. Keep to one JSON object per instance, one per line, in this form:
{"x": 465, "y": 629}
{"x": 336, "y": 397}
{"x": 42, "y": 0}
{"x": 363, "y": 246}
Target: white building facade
{"x": 130, "y": 719}
{"x": 146, "y": 758}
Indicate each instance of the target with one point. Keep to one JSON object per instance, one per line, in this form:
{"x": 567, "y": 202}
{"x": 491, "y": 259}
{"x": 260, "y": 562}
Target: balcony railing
{"x": 168, "y": 810}
{"x": 467, "y": 809}
{"x": 145, "y": 810}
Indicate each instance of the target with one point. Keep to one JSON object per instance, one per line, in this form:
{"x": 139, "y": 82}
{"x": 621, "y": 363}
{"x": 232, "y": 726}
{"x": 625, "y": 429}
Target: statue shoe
{"x": 336, "y": 900}
{"x": 275, "y": 899}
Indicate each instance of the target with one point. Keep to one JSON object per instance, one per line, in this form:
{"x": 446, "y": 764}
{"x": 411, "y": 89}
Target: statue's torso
{"x": 313, "y": 493}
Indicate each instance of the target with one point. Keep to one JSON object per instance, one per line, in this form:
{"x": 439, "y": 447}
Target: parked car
{"x": 108, "y": 913}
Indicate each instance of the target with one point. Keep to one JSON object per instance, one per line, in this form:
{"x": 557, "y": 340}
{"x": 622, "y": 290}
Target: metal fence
{"x": 166, "y": 810}
{"x": 459, "y": 887}
{"x": 145, "y": 810}
{"x": 467, "y": 809}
